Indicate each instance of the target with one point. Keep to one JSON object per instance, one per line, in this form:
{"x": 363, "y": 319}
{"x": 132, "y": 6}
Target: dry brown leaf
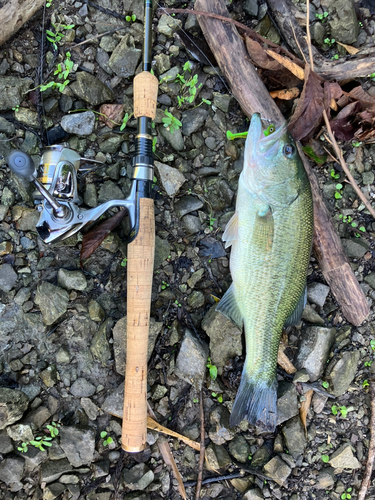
{"x": 169, "y": 460}
{"x": 284, "y": 361}
{"x": 291, "y": 66}
{"x": 113, "y": 114}
{"x": 349, "y": 48}
{"x": 285, "y": 94}
{"x": 304, "y": 409}
{"x": 155, "y": 426}
{"x": 260, "y": 57}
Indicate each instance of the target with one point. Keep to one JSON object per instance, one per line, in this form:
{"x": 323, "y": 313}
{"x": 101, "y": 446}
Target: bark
{"x": 14, "y": 15}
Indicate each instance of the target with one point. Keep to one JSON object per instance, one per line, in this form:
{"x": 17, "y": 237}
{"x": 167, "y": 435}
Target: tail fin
{"x": 256, "y": 401}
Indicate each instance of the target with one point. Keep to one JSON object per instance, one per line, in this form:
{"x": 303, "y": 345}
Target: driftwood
{"x": 14, "y": 15}
{"x": 247, "y": 88}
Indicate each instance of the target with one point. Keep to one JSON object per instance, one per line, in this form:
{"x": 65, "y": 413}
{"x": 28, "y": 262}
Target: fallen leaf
{"x": 113, "y": 114}
{"x": 285, "y": 94}
{"x": 342, "y": 125}
{"x": 349, "y": 48}
{"x": 260, "y": 57}
{"x": 96, "y": 236}
{"x": 169, "y": 460}
{"x": 155, "y": 426}
{"x": 304, "y": 409}
{"x": 291, "y": 66}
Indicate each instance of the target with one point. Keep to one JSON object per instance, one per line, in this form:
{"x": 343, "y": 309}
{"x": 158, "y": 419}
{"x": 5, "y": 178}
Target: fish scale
{"x": 271, "y": 235}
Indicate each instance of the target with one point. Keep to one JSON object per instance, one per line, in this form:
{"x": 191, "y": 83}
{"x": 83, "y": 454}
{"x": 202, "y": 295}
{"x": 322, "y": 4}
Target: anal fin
{"x": 231, "y": 230}
{"x": 295, "y": 317}
{"x": 228, "y": 307}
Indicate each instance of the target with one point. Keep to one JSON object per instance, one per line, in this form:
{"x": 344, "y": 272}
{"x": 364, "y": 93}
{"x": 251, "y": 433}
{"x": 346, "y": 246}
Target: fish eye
{"x": 289, "y": 150}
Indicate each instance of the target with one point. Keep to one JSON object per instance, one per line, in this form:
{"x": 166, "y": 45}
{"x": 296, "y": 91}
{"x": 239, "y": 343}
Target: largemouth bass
{"x": 271, "y": 235}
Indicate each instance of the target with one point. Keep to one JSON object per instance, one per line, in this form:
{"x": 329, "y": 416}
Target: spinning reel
{"x": 56, "y": 181}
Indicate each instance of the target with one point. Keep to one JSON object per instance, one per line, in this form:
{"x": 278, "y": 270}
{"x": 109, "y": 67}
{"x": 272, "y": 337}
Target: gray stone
{"x": 163, "y": 63}
{"x": 253, "y": 494}
{"x": 326, "y": 479}
{"x": 287, "y": 402}
{"x": 191, "y": 224}
{"x": 192, "y": 120}
{"x": 217, "y": 457}
{"x": 109, "y": 191}
{"x": 90, "y": 408}
{"x": 173, "y": 137}
{"x": 301, "y": 376}
{"x": 65, "y": 103}
{"x": 71, "y": 280}
{"x": 49, "y": 376}
{"x": 111, "y": 145}
{"x": 27, "y": 243}
{"x": 195, "y": 277}
{"x": 294, "y": 435}
{"x": 186, "y": 205}
{"x": 343, "y": 458}
{"x": 37, "y": 417}
{"x": 191, "y": 360}
{"x": 168, "y": 25}
{"x": 124, "y": 59}
{"x": 53, "y": 469}
{"x": 11, "y": 470}
{"x": 251, "y": 7}
{"x": 81, "y": 388}
{"x": 101, "y": 468}
{"x": 91, "y": 89}
{"x": 52, "y": 301}
{"x": 309, "y": 314}
{"x": 119, "y": 341}
{"x": 6, "y": 127}
{"x": 225, "y": 337}
{"x": 8, "y": 277}
{"x": 343, "y": 21}
{"x": 108, "y": 43}
{"x": 13, "y": 404}
{"x": 222, "y": 101}
{"x": 355, "y": 249}
{"x": 52, "y": 491}
{"x": 239, "y": 448}
{"x": 30, "y": 144}
{"x": 196, "y": 299}
{"x": 314, "y": 350}
{"x": 317, "y": 293}
{"x": 12, "y": 90}
{"x": 138, "y": 477}
{"x": 63, "y": 356}
{"x": 96, "y": 311}
{"x": 78, "y": 444}
{"x": 171, "y": 178}
{"x": 261, "y": 457}
{"x": 368, "y": 178}
{"x": 30, "y": 117}
{"x": 102, "y": 58}
{"x": 6, "y": 445}
{"x": 81, "y": 124}
{"x": 7, "y": 198}
{"x": 20, "y": 432}
{"x": 370, "y": 279}
{"x": 342, "y": 373}
{"x": 99, "y": 346}
{"x": 278, "y": 470}
{"x": 318, "y": 402}
{"x": 220, "y": 432}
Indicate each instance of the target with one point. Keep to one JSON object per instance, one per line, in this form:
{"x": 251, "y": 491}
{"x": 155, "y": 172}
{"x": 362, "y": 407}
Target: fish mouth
{"x": 267, "y": 146}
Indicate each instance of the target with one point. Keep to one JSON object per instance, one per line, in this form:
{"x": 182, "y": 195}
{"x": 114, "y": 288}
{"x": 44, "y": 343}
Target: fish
{"x": 270, "y": 235}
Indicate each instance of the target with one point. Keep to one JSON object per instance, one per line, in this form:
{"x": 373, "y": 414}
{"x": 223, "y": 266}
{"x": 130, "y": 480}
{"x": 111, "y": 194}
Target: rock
{"x": 278, "y": 470}
{"x": 81, "y": 388}
{"x": 52, "y": 301}
{"x": 8, "y": 277}
{"x": 20, "y": 432}
{"x": 343, "y": 458}
{"x": 49, "y": 376}
{"x": 326, "y": 479}
{"x": 90, "y": 408}
{"x": 119, "y": 341}
{"x": 173, "y": 137}
{"x": 52, "y": 491}
{"x": 138, "y": 477}
{"x": 196, "y": 299}
{"x": 168, "y": 25}
{"x": 314, "y": 350}
{"x": 99, "y": 346}
{"x": 111, "y": 145}
{"x": 81, "y": 124}
{"x": 114, "y": 403}
{"x": 162, "y": 251}
{"x": 195, "y": 278}
{"x": 355, "y": 249}
{"x": 163, "y": 63}
{"x": 318, "y": 402}
{"x": 342, "y": 373}
{"x": 239, "y": 448}
{"x": 71, "y": 280}
{"x": 170, "y": 178}
{"x": 343, "y": 21}
{"x": 301, "y": 376}
{"x": 192, "y": 120}
{"x": 222, "y": 101}
{"x": 36, "y": 418}
{"x": 217, "y": 457}
{"x": 309, "y": 314}
{"x": 287, "y": 402}
{"x": 125, "y": 58}
{"x": 78, "y": 444}
{"x": 62, "y": 356}
{"x": 261, "y": 457}
{"x": 294, "y": 435}
{"x": 6, "y": 126}
{"x": 101, "y": 468}
{"x": 186, "y": 205}
{"x": 11, "y": 470}
{"x": 191, "y": 224}
{"x": 13, "y": 404}
{"x": 317, "y": 293}
{"x": 253, "y": 494}
{"x": 220, "y": 432}
{"x": 158, "y": 391}
{"x": 225, "y": 338}
{"x": 12, "y": 90}
{"x": 91, "y": 89}
{"x": 96, "y": 311}
{"x": 191, "y": 360}
{"x": 251, "y": 7}
{"x": 6, "y": 445}
{"x": 53, "y": 469}
{"x": 109, "y": 191}
{"x": 102, "y": 58}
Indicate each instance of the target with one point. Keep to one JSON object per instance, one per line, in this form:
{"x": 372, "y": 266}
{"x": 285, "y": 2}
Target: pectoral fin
{"x": 295, "y": 317}
{"x": 228, "y": 307}
{"x": 263, "y": 230}
{"x": 231, "y": 230}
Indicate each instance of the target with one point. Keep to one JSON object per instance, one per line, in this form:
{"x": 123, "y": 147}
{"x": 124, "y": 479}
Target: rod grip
{"x": 140, "y": 268}
{"x": 145, "y": 95}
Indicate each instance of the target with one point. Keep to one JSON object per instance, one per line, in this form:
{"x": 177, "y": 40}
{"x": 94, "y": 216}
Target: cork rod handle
{"x": 139, "y": 274}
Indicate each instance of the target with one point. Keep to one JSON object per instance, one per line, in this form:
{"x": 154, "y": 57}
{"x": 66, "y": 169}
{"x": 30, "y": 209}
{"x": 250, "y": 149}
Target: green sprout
{"x": 372, "y": 344}
{"x": 125, "y": 121}
{"x": 178, "y": 304}
{"x": 39, "y": 442}
{"x": 62, "y": 71}
{"x": 321, "y": 17}
{"x": 23, "y": 448}
{"x": 53, "y": 429}
{"x": 218, "y": 396}
{"x": 368, "y": 363}
{"x": 336, "y": 56}
{"x": 325, "y": 458}
{"x": 107, "y": 441}
{"x": 347, "y": 495}
{"x": 55, "y": 38}
{"x": 329, "y": 41}
{"x": 356, "y": 144}
{"x": 16, "y": 108}
{"x": 164, "y": 285}
{"x": 338, "y": 192}
{"x": 124, "y": 262}
{"x": 325, "y": 384}
{"x": 334, "y": 175}
{"x": 170, "y": 122}
{"x": 131, "y": 18}
{"x": 365, "y": 384}
{"x": 154, "y": 142}
{"x": 212, "y": 369}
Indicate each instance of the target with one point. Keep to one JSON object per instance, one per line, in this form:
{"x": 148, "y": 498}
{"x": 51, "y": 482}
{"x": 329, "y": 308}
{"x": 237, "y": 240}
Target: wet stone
{"x": 81, "y": 124}
{"x": 186, "y": 205}
{"x": 355, "y": 249}
{"x": 52, "y": 491}
{"x": 314, "y": 350}
{"x": 11, "y": 470}
{"x": 287, "y": 402}
{"x": 90, "y": 408}
{"x": 196, "y": 299}
{"x": 91, "y": 89}
{"x": 99, "y": 346}
{"x": 343, "y": 21}
{"x": 163, "y": 63}
{"x": 343, "y": 372}
{"x": 109, "y": 191}
{"x": 125, "y": 57}
{"x": 71, "y": 280}
{"x": 52, "y": 301}
{"x": 12, "y": 90}
{"x": 170, "y": 178}
{"x": 62, "y": 356}
{"x": 173, "y": 137}
{"x": 278, "y": 470}
{"x": 81, "y": 388}
{"x": 53, "y": 469}
{"x": 253, "y": 494}
{"x": 192, "y": 120}
{"x": 191, "y": 224}
{"x": 168, "y": 25}
{"x": 49, "y": 376}
{"x": 138, "y": 477}
{"x": 294, "y": 436}
{"x": 317, "y": 293}
{"x": 96, "y": 311}
{"x": 343, "y": 458}
{"x": 6, "y": 445}
{"x": 191, "y": 360}
{"x": 162, "y": 251}
{"x": 260, "y": 457}
{"x": 90, "y": 196}
{"x": 311, "y": 316}
{"x": 217, "y": 457}
{"x": 318, "y": 402}
{"x": 20, "y": 432}
{"x": 239, "y": 448}
{"x": 78, "y": 444}
{"x": 220, "y": 431}
{"x": 8, "y": 277}
{"x": 326, "y": 479}
{"x": 13, "y": 405}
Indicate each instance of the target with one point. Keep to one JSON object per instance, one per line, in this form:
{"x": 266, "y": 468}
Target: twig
{"x": 297, "y": 42}
{"x": 308, "y": 34}
{"x": 371, "y": 451}
{"x": 202, "y": 450}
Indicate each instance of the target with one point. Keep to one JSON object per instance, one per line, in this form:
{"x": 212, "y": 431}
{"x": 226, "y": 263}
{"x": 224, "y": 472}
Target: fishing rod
{"x": 61, "y": 216}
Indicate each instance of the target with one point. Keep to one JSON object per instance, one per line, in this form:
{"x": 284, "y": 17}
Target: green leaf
{"x": 308, "y": 150}
{"x": 220, "y": 398}
{"x": 325, "y": 458}
{"x": 134, "y": 17}
{"x": 338, "y": 196}
{"x": 213, "y": 372}
{"x": 103, "y": 434}
{"x": 128, "y": 18}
